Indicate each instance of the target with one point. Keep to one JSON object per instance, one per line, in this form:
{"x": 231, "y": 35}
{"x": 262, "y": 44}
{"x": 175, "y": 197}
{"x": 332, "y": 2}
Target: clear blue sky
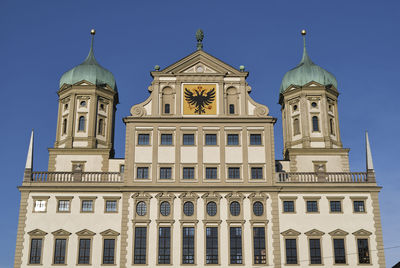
{"x": 358, "y": 41}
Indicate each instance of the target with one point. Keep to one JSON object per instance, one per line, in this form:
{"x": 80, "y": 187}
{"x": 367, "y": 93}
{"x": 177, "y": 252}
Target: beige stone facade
{"x": 198, "y": 188}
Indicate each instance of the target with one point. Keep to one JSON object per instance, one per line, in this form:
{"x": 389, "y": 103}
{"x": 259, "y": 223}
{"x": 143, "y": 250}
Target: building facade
{"x": 199, "y": 184}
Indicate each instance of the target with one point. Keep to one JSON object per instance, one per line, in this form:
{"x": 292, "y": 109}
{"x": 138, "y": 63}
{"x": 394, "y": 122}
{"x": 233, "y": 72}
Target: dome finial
{"x": 90, "y": 58}
{"x": 305, "y": 58}
{"x": 199, "y": 37}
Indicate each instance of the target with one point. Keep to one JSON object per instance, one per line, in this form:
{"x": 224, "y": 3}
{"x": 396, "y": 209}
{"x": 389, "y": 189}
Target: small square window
{"x": 312, "y": 206}
{"x": 87, "y": 205}
{"x": 166, "y": 139}
{"x": 336, "y": 206}
{"x": 188, "y": 173}
{"x": 111, "y": 205}
{"x": 63, "y": 205}
{"x": 165, "y": 173}
{"x": 359, "y": 206}
{"x": 40, "y": 206}
{"x": 234, "y": 173}
{"x": 255, "y": 139}
{"x": 211, "y": 173}
{"x": 256, "y": 172}
{"x": 211, "y": 139}
{"x": 233, "y": 139}
{"x": 188, "y": 139}
{"x": 143, "y": 139}
{"x": 142, "y": 173}
{"x": 288, "y": 206}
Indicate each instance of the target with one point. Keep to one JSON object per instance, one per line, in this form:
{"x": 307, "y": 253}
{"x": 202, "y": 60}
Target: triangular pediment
{"x": 211, "y": 195}
{"x": 208, "y": 65}
{"x": 85, "y": 232}
{"x": 338, "y": 232}
{"x": 109, "y": 232}
{"x": 314, "y": 232}
{"x": 61, "y": 232}
{"x": 37, "y": 232}
{"x": 362, "y": 232}
{"x": 189, "y": 195}
{"x": 290, "y": 232}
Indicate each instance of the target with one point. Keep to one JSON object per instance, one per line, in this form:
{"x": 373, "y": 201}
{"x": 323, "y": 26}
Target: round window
{"x": 165, "y": 208}
{"x": 235, "y": 208}
{"x": 211, "y": 208}
{"x": 188, "y": 208}
{"x": 141, "y": 208}
{"x": 83, "y": 103}
{"x": 258, "y": 208}
{"x": 314, "y": 104}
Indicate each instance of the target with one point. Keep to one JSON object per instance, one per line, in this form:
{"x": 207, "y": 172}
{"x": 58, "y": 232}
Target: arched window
{"x": 331, "y": 126}
{"x": 188, "y": 208}
{"x": 64, "y": 126}
{"x": 296, "y": 126}
{"x": 141, "y": 208}
{"x": 101, "y": 127}
{"x": 167, "y": 108}
{"x": 211, "y": 208}
{"x": 258, "y": 208}
{"x": 235, "y": 208}
{"x": 165, "y": 208}
{"x": 232, "y": 100}
{"x": 231, "y": 108}
{"x": 315, "y": 125}
{"x": 168, "y": 96}
{"x": 81, "y": 125}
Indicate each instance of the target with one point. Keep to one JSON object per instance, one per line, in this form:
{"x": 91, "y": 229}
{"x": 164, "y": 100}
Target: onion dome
{"x": 89, "y": 70}
{"x": 307, "y": 71}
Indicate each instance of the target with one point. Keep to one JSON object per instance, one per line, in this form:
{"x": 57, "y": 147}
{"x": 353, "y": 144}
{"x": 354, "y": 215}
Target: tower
{"x": 308, "y": 98}
{"x": 88, "y": 97}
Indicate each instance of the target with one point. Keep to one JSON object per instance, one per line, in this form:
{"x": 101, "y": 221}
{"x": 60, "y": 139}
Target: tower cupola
{"x": 89, "y": 70}
{"x": 307, "y": 71}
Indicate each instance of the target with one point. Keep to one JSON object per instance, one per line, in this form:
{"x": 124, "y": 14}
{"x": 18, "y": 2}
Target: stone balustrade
{"x": 340, "y": 177}
{"x": 66, "y": 177}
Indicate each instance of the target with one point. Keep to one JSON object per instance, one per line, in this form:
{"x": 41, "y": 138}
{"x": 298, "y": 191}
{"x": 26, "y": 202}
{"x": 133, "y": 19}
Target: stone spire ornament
{"x": 29, "y": 160}
{"x": 199, "y": 37}
{"x": 369, "y": 162}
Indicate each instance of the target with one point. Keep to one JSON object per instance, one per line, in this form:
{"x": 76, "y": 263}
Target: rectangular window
{"x": 142, "y": 172}
{"x": 336, "y": 206}
{"x": 59, "y": 251}
{"x": 255, "y": 139}
{"x": 109, "y": 251}
{"x": 212, "y": 245}
{"x": 40, "y": 205}
{"x": 188, "y": 173}
{"x": 164, "y": 245}
{"x": 256, "y": 172}
{"x": 312, "y": 206}
{"x": 87, "y": 205}
{"x": 233, "y": 139}
{"x": 363, "y": 251}
{"x": 288, "y": 206}
{"x": 339, "y": 250}
{"x": 291, "y": 251}
{"x": 188, "y": 245}
{"x": 211, "y": 173}
{"x": 84, "y": 251}
{"x": 234, "y": 173}
{"x": 143, "y": 139}
{"x": 259, "y": 245}
{"x": 140, "y": 245}
{"x": 359, "y": 206}
{"x": 315, "y": 251}
{"x": 235, "y": 245}
{"x": 165, "y": 173}
{"x": 166, "y": 139}
{"x": 188, "y": 139}
{"x": 111, "y": 205}
{"x": 36, "y": 251}
{"x": 211, "y": 139}
{"x": 63, "y": 205}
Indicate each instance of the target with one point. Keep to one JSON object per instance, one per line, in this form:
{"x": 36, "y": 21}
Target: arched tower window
{"x": 100, "y": 129}
{"x": 167, "y": 100}
{"x": 232, "y": 100}
{"x": 167, "y": 108}
{"x": 64, "y": 126}
{"x": 81, "y": 125}
{"x": 315, "y": 125}
{"x": 231, "y": 109}
{"x": 296, "y": 126}
{"x": 331, "y": 126}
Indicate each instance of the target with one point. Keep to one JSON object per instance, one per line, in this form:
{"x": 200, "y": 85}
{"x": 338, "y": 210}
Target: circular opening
{"x": 258, "y": 208}
{"x": 165, "y": 208}
{"x": 235, "y": 208}
{"x": 83, "y": 103}
{"x": 211, "y": 209}
{"x": 314, "y": 104}
{"x": 188, "y": 208}
{"x": 141, "y": 208}
{"x": 295, "y": 107}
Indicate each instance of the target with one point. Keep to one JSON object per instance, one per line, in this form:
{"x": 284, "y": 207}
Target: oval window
{"x": 258, "y": 208}
{"x": 211, "y": 208}
{"x": 188, "y": 208}
{"x": 235, "y": 208}
{"x": 141, "y": 208}
{"x": 165, "y": 208}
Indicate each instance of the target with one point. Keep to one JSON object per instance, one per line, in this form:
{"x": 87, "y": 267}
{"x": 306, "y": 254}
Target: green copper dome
{"x": 89, "y": 70}
{"x": 305, "y": 72}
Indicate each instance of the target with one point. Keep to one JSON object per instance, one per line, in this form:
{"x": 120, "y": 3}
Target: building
{"x": 199, "y": 184}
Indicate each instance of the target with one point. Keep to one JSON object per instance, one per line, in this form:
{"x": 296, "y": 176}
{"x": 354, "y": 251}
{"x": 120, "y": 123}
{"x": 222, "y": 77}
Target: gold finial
{"x": 92, "y": 31}
{"x": 303, "y": 32}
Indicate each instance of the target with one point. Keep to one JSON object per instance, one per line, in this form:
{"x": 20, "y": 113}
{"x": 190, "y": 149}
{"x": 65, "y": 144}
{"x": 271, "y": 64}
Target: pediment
{"x": 109, "y": 232}
{"x": 313, "y": 84}
{"x": 189, "y": 195}
{"x": 362, "y": 232}
{"x": 209, "y": 64}
{"x": 234, "y": 195}
{"x": 338, "y": 232}
{"x": 211, "y": 195}
{"x": 61, "y": 232}
{"x": 85, "y": 232}
{"x": 258, "y": 195}
{"x": 290, "y": 232}
{"x": 141, "y": 195}
{"x": 165, "y": 195}
{"x": 37, "y": 232}
{"x": 314, "y": 232}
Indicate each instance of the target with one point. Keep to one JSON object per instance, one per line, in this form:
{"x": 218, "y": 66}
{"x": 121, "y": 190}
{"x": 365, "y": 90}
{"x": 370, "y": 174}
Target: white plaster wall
{"x": 80, "y": 144}
{"x": 305, "y": 164}
{"x": 234, "y": 154}
{"x": 317, "y": 144}
{"x": 147, "y": 108}
{"x": 256, "y": 154}
{"x": 143, "y": 154}
{"x": 211, "y": 155}
{"x": 189, "y": 154}
{"x": 250, "y": 108}
{"x": 113, "y": 164}
{"x": 93, "y": 162}
{"x": 166, "y": 154}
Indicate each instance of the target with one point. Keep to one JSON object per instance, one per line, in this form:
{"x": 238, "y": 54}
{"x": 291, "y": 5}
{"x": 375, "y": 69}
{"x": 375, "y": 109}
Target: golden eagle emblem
{"x": 199, "y": 99}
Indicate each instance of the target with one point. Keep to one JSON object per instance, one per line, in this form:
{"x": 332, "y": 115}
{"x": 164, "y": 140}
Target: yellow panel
{"x": 199, "y": 99}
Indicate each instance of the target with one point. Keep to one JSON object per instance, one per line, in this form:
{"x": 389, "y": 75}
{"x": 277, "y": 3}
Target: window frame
{"x": 44, "y": 199}
{"x": 229, "y": 167}
{"x": 230, "y": 244}
{"x": 288, "y": 199}
{"x": 111, "y": 198}
{"x": 313, "y": 122}
{"x": 60, "y": 235}
{"x": 183, "y": 244}
{"x": 265, "y": 263}
{"x": 257, "y": 168}
{"x": 165, "y": 134}
{"x": 213, "y": 247}
{"x": 87, "y": 198}
{"x": 63, "y": 199}
{"x": 142, "y": 167}
{"x": 232, "y": 134}
{"x": 138, "y": 134}
{"x": 170, "y": 244}
{"x": 312, "y": 199}
{"x": 335, "y": 199}
{"x": 334, "y": 250}
{"x": 253, "y": 133}
{"x": 189, "y": 169}
{"x": 109, "y": 234}
{"x": 171, "y": 173}
{"x": 358, "y": 250}
{"x": 188, "y": 134}
{"x": 146, "y": 246}
{"x": 84, "y": 234}
{"x": 359, "y": 199}
{"x": 84, "y": 122}
{"x": 217, "y": 178}
{"x": 211, "y": 133}
{"x": 36, "y": 234}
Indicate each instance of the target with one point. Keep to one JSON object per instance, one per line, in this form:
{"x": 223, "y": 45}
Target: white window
{"x": 40, "y": 205}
